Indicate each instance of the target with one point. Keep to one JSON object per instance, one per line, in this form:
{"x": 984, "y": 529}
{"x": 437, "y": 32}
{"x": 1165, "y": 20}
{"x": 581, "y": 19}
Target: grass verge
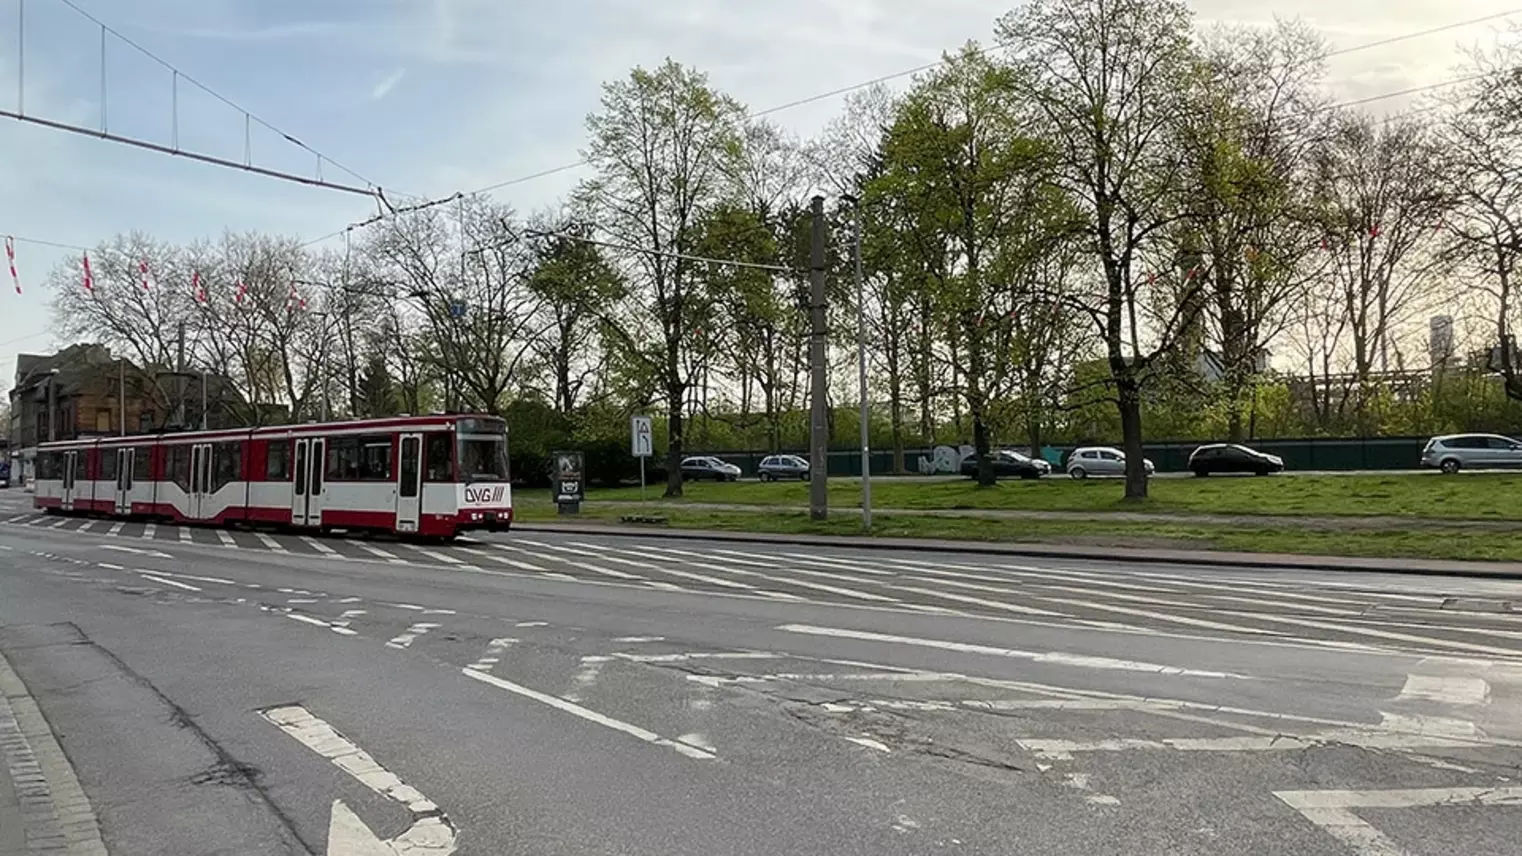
{"x": 1383, "y": 543}
{"x": 1470, "y": 496}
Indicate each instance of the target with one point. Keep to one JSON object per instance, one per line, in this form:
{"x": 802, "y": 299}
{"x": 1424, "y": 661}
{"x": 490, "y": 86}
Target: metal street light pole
{"x": 861, "y": 366}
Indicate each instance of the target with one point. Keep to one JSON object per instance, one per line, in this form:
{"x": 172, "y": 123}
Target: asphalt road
{"x": 231, "y": 692}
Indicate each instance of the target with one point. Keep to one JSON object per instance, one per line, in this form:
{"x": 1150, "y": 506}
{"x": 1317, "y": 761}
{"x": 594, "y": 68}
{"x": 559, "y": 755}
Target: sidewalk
{"x": 1273, "y": 561}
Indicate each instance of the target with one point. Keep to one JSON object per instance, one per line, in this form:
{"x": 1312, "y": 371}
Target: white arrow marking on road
{"x": 430, "y": 833}
{"x": 154, "y": 553}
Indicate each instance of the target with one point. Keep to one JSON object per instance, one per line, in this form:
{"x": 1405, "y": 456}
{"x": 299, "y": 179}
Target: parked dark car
{"x": 1007, "y": 464}
{"x": 775, "y": 467}
{"x": 699, "y": 468}
{"x": 1232, "y": 458}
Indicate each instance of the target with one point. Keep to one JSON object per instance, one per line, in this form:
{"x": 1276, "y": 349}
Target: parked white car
{"x": 1099, "y": 461}
{"x": 1454, "y": 452}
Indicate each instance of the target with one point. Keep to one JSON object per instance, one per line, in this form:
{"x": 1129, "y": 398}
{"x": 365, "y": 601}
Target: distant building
{"x": 84, "y": 391}
{"x": 1440, "y": 346}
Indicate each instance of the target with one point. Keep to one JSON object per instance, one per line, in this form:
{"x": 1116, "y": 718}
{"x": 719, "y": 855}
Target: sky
{"x": 430, "y": 97}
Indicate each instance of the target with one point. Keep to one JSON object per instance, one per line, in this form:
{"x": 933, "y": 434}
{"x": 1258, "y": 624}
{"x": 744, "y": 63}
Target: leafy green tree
{"x": 1112, "y": 81}
{"x": 663, "y": 144}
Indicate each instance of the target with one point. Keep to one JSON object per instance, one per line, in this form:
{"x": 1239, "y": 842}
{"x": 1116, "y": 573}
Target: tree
{"x": 574, "y": 281}
{"x": 1482, "y": 141}
{"x": 1246, "y": 146}
{"x": 377, "y": 392}
{"x": 1380, "y": 191}
{"x": 1113, "y": 80}
{"x": 962, "y": 151}
{"x": 663, "y": 145}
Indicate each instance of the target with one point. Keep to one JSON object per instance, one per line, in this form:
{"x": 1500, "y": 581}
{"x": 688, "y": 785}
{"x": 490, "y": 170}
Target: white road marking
{"x": 269, "y": 543}
{"x": 302, "y": 600}
{"x": 493, "y": 654}
{"x": 149, "y": 531}
{"x": 697, "y": 655}
{"x": 120, "y": 548}
{"x": 1064, "y": 749}
{"x": 870, "y": 743}
{"x": 162, "y": 581}
{"x": 407, "y": 606}
{"x": 962, "y": 598}
{"x": 226, "y": 538}
{"x": 184, "y": 532}
{"x": 376, "y": 551}
{"x": 640, "y": 639}
{"x": 651, "y": 567}
{"x": 512, "y": 563}
{"x": 1449, "y": 689}
{"x": 430, "y": 833}
{"x": 18, "y": 517}
{"x": 86, "y": 526}
{"x": 532, "y": 624}
{"x": 110, "y": 567}
{"x": 318, "y": 545}
{"x": 317, "y": 622}
{"x": 439, "y": 557}
{"x": 116, "y": 528}
{"x": 590, "y": 715}
{"x": 1332, "y": 811}
{"x": 1056, "y": 658}
{"x": 407, "y": 637}
{"x": 585, "y": 677}
{"x": 1379, "y": 634}
{"x": 59, "y": 524}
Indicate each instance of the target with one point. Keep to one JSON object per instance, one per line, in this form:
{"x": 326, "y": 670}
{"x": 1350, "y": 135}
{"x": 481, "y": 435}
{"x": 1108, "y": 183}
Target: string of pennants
{"x": 240, "y": 294}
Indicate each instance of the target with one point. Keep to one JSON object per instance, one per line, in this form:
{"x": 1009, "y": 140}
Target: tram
{"x": 431, "y": 476}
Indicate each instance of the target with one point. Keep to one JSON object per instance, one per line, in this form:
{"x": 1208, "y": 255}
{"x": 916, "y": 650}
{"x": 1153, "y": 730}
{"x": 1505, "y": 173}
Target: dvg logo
{"x": 485, "y": 495}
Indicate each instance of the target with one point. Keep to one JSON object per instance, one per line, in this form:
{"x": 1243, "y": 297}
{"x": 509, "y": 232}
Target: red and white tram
{"x": 432, "y": 476}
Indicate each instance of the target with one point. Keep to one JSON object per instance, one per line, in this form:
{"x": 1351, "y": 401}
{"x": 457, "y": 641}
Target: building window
{"x": 102, "y": 420}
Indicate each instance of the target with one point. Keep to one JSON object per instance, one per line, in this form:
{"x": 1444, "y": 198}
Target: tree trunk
{"x": 986, "y": 477}
{"x": 1129, "y": 403}
{"x": 675, "y": 441}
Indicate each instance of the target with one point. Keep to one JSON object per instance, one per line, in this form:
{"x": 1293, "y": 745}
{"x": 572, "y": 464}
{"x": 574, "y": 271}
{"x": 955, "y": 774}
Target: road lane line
{"x": 405, "y": 639}
{"x": 1062, "y": 750}
{"x": 226, "y": 538}
{"x": 270, "y": 543}
{"x": 384, "y": 554}
{"x": 184, "y": 532}
{"x": 1509, "y": 653}
{"x": 149, "y": 531}
{"x": 1332, "y": 811}
{"x": 1051, "y": 657}
{"x": 790, "y": 581}
{"x": 318, "y": 545}
{"x": 18, "y": 517}
{"x": 703, "y": 578}
{"x": 318, "y": 622}
{"x": 322, "y": 738}
{"x": 962, "y": 598}
{"x": 590, "y": 715}
{"x": 586, "y": 677}
{"x": 511, "y": 563}
{"x": 162, "y": 581}
{"x": 493, "y": 653}
{"x": 586, "y": 566}
{"x": 116, "y": 528}
{"x": 86, "y": 526}
{"x": 59, "y": 524}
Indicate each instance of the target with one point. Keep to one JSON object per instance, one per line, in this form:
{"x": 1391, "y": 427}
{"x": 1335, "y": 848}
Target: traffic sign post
{"x": 642, "y": 443}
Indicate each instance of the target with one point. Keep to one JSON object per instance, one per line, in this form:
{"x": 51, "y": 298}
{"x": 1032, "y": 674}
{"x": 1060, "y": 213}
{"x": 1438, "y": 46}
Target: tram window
{"x": 226, "y": 462}
{"x": 49, "y": 466}
{"x": 437, "y": 456}
{"x": 177, "y": 466}
{"x": 107, "y": 465}
{"x": 142, "y": 465}
{"x": 365, "y": 458}
{"x": 277, "y": 466}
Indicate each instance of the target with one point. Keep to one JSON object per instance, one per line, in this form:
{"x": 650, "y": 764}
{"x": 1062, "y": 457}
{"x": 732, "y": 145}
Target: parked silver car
{"x": 776, "y": 467}
{"x": 1100, "y": 461}
{"x": 1454, "y": 452}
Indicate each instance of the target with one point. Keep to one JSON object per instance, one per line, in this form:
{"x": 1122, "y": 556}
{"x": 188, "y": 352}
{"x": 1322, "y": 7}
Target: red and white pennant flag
{"x": 142, "y": 268}
{"x": 195, "y": 283}
{"x": 89, "y": 281}
{"x": 240, "y": 292}
{"x": 10, "y": 257}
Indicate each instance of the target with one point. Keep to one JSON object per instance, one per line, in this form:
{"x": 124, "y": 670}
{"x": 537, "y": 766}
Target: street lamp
{"x": 861, "y": 365}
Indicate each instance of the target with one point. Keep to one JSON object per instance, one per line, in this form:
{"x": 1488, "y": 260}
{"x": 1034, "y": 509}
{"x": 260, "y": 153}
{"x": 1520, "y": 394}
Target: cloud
{"x": 382, "y": 89}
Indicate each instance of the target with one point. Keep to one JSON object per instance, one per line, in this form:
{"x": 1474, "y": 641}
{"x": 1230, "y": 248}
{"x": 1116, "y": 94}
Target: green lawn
{"x": 1478, "y": 496}
{"x": 1394, "y": 543}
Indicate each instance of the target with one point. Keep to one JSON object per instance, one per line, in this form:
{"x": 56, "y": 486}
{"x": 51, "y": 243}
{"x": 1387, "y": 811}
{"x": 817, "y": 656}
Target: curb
{"x": 1263, "y": 561}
